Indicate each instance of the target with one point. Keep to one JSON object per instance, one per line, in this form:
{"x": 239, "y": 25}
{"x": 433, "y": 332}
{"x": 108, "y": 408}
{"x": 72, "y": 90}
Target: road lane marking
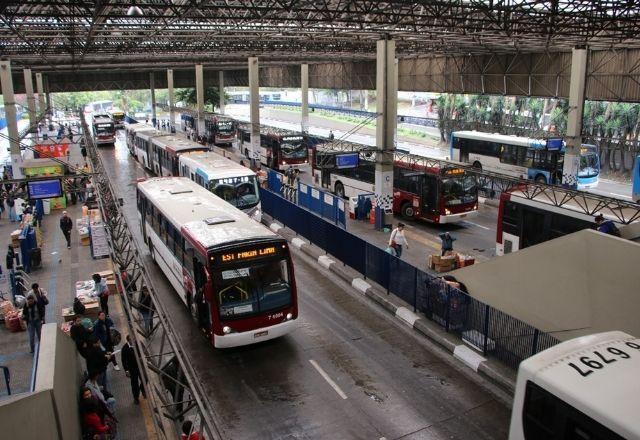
{"x": 326, "y": 377}
{"x": 475, "y": 224}
{"x": 621, "y": 195}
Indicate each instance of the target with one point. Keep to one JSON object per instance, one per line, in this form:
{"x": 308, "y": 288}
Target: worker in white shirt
{"x": 397, "y": 240}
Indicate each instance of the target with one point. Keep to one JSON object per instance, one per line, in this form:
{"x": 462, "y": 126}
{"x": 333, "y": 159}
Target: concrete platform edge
{"x": 489, "y": 369}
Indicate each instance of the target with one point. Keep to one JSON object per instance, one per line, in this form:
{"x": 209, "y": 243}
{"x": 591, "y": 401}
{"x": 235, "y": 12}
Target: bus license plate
{"x": 260, "y": 334}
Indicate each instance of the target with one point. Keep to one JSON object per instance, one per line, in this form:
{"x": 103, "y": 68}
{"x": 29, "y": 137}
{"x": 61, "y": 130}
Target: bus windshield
{"x": 459, "y": 190}
{"x": 293, "y": 149}
{"x": 225, "y": 127}
{"x": 242, "y": 192}
{"x": 589, "y": 165}
{"x": 255, "y": 289}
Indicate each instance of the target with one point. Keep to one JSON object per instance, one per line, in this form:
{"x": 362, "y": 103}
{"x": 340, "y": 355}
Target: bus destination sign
{"x": 453, "y": 171}
{"x": 248, "y": 254}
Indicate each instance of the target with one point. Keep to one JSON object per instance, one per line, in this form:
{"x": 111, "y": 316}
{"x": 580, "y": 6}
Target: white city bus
{"x": 104, "y": 130}
{"x": 131, "y": 130}
{"x": 585, "y": 388}
{"x": 165, "y": 153}
{"x": 143, "y": 146}
{"x": 541, "y": 160}
{"x": 234, "y": 274}
{"x": 225, "y": 178}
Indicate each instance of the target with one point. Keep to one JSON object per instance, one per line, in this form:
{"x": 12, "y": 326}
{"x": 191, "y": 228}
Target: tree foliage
{"x": 189, "y": 98}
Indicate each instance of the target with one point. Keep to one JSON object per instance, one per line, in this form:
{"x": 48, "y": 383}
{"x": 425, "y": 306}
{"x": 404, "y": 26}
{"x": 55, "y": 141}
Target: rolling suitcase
{"x": 36, "y": 257}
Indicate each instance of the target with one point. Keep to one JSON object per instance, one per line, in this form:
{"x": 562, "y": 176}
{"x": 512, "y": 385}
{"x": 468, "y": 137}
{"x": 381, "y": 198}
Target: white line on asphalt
{"x": 621, "y": 195}
{"x": 326, "y": 377}
{"x": 475, "y": 224}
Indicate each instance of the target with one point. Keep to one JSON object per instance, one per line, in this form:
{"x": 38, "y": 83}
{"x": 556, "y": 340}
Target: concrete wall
{"x": 51, "y": 411}
{"x": 578, "y": 284}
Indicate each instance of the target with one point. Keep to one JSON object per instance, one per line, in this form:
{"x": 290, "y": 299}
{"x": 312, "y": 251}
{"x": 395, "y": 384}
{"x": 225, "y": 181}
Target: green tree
{"x": 188, "y": 96}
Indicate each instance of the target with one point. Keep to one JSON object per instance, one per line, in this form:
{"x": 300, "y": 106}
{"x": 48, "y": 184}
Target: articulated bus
{"x": 234, "y": 274}
{"x": 584, "y": 388}
{"x": 225, "y": 178}
{"x": 118, "y": 117}
{"x": 440, "y": 195}
{"x": 144, "y": 148}
{"x": 541, "y": 160}
{"x": 130, "y": 134}
{"x": 220, "y": 130}
{"x": 166, "y": 151}
{"x": 279, "y": 148}
{"x": 104, "y": 130}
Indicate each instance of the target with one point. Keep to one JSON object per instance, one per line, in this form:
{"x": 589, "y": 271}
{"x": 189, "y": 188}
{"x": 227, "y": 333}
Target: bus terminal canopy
{"x": 68, "y": 35}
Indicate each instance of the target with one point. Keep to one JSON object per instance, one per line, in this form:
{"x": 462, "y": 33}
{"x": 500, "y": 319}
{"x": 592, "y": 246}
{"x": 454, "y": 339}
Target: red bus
{"x": 219, "y": 130}
{"x": 279, "y": 148}
{"x": 440, "y": 195}
{"x": 234, "y": 274}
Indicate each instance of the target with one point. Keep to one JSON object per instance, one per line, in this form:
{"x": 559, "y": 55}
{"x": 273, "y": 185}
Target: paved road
{"x": 348, "y": 371}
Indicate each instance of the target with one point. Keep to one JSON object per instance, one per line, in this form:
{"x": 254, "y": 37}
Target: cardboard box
{"x": 68, "y": 314}
{"x": 91, "y": 310}
{"x": 15, "y": 238}
{"x": 112, "y": 286}
{"x": 107, "y": 274}
{"x": 85, "y": 241}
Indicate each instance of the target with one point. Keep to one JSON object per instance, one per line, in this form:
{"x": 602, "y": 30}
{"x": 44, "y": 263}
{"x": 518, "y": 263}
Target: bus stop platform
{"x": 61, "y": 268}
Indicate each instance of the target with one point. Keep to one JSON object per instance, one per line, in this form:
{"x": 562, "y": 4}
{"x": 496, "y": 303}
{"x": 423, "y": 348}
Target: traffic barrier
{"x": 487, "y": 329}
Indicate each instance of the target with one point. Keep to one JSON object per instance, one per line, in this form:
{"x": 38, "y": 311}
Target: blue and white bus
{"x": 541, "y": 160}
{"x": 635, "y": 192}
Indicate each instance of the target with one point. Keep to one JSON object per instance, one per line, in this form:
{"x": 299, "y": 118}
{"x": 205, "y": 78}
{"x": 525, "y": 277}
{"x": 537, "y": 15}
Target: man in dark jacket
{"x": 97, "y": 361}
{"x": 102, "y": 330}
{"x": 33, "y": 314}
{"x": 66, "y": 225}
{"x": 80, "y": 336}
{"x": 130, "y": 365}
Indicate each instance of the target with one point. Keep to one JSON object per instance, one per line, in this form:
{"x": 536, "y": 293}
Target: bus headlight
{"x": 289, "y": 316}
{"x": 447, "y": 212}
{"x": 226, "y": 330}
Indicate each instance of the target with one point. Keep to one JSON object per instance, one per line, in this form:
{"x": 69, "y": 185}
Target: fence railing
{"x": 489, "y": 330}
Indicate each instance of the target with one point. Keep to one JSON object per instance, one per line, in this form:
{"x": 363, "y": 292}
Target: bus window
{"x": 429, "y": 194}
{"x": 533, "y": 229}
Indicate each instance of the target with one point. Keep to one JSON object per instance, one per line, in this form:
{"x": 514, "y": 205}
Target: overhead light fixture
{"x": 134, "y": 11}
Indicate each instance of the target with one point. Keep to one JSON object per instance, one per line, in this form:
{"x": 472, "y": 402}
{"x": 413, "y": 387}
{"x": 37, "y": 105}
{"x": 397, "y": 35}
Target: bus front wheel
{"x": 540, "y": 178}
{"x": 477, "y": 165}
{"x": 339, "y": 190}
{"x": 407, "y": 210}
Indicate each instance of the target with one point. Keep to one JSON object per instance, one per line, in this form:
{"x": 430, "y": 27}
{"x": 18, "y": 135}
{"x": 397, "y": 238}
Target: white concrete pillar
{"x": 387, "y": 110}
{"x": 304, "y": 86}
{"x": 172, "y": 100}
{"x": 40, "y": 89}
{"x": 152, "y": 86}
{"x": 10, "y": 114}
{"x": 200, "y": 98}
{"x": 254, "y": 108}
{"x": 31, "y": 101}
{"x": 221, "y": 91}
{"x": 574, "y": 117}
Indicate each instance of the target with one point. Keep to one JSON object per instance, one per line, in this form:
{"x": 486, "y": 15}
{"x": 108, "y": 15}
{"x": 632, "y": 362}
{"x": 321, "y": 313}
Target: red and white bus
{"x": 220, "y": 130}
{"x": 279, "y": 148}
{"x": 234, "y": 274}
{"x": 166, "y": 151}
{"x": 104, "y": 130}
{"x": 439, "y": 195}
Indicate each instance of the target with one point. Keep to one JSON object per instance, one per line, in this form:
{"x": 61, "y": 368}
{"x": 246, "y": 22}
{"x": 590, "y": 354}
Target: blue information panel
{"x": 45, "y": 189}
{"x": 347, "y": 160}
{"x": 554, "y": 144}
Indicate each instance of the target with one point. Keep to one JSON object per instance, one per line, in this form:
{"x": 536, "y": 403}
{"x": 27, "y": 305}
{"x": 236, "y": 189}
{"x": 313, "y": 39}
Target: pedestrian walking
{"x": 397, "y": 241}
{"x": 102, "y": 330}
{"x": 132, "y": 370}
{"x": 83, "y": 151}
{"x": 33, "y": 315}
{"x": 42, "y": 298}
{"x": 11, "y": 204}
{"x": 146, "y": 309}
{"x": 66, "y": 225}
{"x": 101, "y": 291}
{"x": 447, "y": 242}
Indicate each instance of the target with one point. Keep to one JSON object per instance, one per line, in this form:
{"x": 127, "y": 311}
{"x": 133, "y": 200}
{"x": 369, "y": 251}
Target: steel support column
{"x": 304, "y": 86}
{"x": 254, "y": 108}
{"x": 387, "y": 110}
{"x": 11, "y": 117}
{"x": 221, "y": 91}
{"x": 152, "y": 86}
{"x": 574, "y": 117}
{"x": 200, "y": 98}
{"x": 31, "y": 101}
{"x": 47, "y": 94}
{"x": 40, "y": 90}
{"x": 172, "y": 100}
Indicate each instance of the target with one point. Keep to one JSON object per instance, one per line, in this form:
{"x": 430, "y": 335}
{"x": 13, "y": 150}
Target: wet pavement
{"x": 347, "y": 371}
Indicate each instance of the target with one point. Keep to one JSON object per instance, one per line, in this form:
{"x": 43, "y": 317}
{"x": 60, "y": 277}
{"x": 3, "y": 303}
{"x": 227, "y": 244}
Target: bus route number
{"x": 601, "y": 358}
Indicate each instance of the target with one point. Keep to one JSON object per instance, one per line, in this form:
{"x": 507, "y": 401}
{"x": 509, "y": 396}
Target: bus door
{"x": 464, "y": 149}
{"x": 429, "y": 190}
{"x": 534, "y": 226}
{"x": 203, "y": 293}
